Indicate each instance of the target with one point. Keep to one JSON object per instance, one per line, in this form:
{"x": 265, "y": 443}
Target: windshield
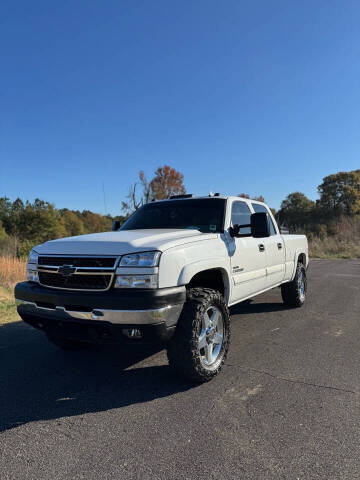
{"x": 205, "y": 215}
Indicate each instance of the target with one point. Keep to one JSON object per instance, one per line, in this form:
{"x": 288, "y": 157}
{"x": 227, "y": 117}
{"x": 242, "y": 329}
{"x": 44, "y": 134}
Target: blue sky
{"x": 260, "y": 97}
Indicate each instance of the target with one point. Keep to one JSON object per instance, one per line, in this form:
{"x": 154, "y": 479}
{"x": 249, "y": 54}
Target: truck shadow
{"x": 250, "y": 307}
{"x": 40, "y": 382}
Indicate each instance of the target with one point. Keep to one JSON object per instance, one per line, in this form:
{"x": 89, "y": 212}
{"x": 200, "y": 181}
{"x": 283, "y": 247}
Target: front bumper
{"x": 155, "y": 311}
{"x": 168, "y": 315}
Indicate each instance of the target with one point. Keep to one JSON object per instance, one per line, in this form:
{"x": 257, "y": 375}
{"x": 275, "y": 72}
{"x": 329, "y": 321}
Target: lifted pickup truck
{"x": 168, "y": 274}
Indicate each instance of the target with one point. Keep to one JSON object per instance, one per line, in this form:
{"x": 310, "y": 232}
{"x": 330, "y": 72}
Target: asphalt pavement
{"x": 285, "y": 406}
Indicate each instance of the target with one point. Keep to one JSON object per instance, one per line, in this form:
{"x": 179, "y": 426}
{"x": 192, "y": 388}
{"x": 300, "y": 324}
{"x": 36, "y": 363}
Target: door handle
{"x": 261, "y": 247}
{"x": 279, "y": 245}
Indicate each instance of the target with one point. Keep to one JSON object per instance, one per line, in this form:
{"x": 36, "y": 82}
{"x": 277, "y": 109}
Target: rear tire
{"x": 294, "y": 293}
{"x": 66, "y": 343}
{"x": 202, "y": 338}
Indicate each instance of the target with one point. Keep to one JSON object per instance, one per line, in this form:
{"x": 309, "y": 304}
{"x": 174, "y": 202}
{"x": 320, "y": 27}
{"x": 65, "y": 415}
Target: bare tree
{"x": 139, "y": 194}
{"x": 166, "y": 182}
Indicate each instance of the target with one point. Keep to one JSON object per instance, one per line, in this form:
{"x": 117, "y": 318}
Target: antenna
{"x": 103, "y": 188}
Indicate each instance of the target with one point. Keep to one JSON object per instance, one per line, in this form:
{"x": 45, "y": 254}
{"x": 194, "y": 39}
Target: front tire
{"x": 202, "y": 338}
{"x": 294, "y": 293}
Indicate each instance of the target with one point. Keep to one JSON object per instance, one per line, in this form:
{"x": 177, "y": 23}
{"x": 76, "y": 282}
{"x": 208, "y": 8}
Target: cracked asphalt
{"x": 286, "y": 405}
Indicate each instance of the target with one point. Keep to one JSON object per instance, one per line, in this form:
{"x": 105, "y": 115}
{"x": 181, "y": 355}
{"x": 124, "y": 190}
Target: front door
{"x": 247, "y": 257}
{"x": 275, "y": 251}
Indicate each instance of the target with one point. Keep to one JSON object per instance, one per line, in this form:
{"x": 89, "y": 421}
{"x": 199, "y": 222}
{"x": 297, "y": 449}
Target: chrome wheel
{"x": 302, "y": 286}
{"x": 211, "y": 337}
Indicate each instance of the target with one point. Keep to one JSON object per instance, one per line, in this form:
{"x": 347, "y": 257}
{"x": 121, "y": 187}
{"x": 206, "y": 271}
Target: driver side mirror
{"x": 259, "y": 226}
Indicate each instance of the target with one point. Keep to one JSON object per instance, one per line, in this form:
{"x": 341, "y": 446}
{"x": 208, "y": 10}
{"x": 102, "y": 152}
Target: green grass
{"x": 8, "y": 311}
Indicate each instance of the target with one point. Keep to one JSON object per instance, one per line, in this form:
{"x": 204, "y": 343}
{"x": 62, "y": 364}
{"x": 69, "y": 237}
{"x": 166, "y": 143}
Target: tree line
{"x": 25, "y": 224}
{"x": 338, "y": 204}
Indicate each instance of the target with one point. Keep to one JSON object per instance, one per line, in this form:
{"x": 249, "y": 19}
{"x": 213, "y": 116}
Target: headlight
{"x": 143, "y": 259}
{"x": 31, "y": 268}
{"x": 33, "y": 257}
{"x": 136, "y": 281}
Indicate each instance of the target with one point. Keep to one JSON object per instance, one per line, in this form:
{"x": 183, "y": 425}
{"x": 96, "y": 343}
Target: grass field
{"x": 330, "y": 248}
{"x": 8, "y": 311}
{"x": 12, "y": 270}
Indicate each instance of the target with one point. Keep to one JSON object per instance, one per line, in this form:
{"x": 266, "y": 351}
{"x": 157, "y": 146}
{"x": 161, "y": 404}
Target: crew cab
{"x": 168, "y": 274}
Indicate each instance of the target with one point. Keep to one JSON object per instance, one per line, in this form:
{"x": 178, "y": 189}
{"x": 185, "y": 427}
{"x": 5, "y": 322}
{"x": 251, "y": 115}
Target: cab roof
{"x": 190, "y": 196}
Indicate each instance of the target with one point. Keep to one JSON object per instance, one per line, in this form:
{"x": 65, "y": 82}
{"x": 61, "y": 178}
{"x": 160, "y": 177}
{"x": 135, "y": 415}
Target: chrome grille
{"x": 75, "y": 282}
{"x": 88, "y": 273}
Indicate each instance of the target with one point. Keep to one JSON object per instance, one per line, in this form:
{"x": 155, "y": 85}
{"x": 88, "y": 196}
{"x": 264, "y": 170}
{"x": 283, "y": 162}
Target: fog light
{"x": 136, "y": 281}
{"x": 32, "y": 275}
{"x": 132, "y": 332}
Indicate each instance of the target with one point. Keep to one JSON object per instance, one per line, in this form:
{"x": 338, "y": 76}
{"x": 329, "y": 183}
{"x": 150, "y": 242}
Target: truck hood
{"x": 122, "y": 242}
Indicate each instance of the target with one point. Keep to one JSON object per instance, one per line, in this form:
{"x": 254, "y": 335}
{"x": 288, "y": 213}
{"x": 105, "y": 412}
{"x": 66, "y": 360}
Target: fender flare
{"x": 297, "y": 254}
{"x": 214, "y": 263}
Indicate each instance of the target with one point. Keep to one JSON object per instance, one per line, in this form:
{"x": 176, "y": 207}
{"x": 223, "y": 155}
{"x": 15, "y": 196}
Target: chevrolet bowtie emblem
{"x": 66, "y": 270}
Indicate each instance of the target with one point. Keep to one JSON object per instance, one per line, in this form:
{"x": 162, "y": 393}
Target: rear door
{"x": 275, "y": 250}
{"x": 247, "y": 257}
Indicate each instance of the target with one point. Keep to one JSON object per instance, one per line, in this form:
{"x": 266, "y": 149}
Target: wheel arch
{"x": 208, "y": 275}
{"x": 300, "y": 257}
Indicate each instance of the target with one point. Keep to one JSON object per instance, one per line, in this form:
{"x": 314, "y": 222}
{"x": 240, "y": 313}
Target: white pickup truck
{"x": 169, "y": 274}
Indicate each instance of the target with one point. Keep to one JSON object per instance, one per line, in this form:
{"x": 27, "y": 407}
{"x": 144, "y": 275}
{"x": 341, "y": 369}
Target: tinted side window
{"x": 261, "y": 208}
{"x": 240, "y": 214}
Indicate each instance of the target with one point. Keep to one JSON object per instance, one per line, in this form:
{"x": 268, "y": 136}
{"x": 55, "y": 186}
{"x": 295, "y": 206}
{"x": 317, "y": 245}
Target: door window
{"x": 240, "y": 215}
